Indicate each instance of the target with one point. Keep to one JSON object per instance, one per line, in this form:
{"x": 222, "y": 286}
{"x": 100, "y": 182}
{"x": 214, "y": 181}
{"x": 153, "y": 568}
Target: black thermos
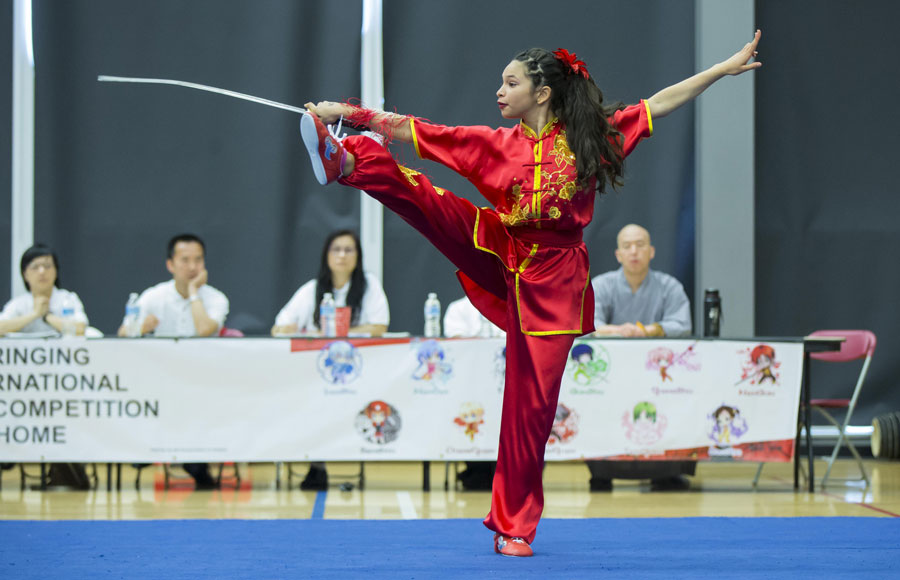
{"x": 712, "y": 312}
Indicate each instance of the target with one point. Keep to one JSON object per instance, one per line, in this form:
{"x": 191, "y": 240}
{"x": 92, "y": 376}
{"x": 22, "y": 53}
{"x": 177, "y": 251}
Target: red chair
{"x": 859, "y": 344}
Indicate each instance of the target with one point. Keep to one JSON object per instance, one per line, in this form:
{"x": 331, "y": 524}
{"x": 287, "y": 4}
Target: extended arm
{"x": 672, "y": 97}
{"x": 391, "y": 125}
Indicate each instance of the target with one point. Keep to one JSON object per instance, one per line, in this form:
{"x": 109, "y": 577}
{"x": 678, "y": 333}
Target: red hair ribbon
{"x": 571, "y": 62}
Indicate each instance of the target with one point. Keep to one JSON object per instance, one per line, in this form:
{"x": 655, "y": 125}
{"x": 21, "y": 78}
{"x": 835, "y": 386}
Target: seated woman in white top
{"x": 40, "y": 310}
{"x": 340, "y": 273}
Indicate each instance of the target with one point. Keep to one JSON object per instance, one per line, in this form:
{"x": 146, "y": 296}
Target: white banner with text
{"x": 261, "y": 399}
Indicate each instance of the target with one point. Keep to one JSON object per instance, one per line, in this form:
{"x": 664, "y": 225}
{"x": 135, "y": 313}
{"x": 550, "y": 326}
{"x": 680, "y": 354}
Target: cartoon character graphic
{"x": 339, "y": 362}
{"x": 663, "y": 359}
{"x": 565, "y": 425}
{"x": 761, "y": 366}
{"x": 643, "y": 425}
{"x": 471, "y": 415}
{"x": 588, "y": 365}
{"x": 500, "y": 367}
{"x": 378, "y": 423}
{"x": 432, "y": 366}
{"x": 727, "y": 425}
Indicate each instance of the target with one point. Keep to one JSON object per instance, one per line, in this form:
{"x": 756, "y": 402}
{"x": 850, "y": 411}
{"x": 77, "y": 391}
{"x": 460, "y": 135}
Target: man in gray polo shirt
{"x": 635, "y": 301}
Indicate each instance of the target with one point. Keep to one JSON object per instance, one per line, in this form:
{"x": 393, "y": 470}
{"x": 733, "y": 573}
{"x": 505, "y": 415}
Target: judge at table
{"x": 635, "y": 301}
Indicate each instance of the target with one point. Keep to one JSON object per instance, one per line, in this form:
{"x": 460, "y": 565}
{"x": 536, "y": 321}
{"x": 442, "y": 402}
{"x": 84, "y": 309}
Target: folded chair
{"x": 859, "y": 344}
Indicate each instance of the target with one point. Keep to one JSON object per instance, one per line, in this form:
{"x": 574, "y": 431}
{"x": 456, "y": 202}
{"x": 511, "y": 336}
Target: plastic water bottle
{"x": 132, "y": 316}
{"x": 432, "y": 316}
{"x": 326, "y": 316}
{"x": 68, "y": 317}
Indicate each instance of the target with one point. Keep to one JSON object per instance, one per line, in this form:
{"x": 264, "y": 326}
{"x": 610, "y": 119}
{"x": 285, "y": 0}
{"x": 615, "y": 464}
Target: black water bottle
{"x": 712, "y": 312}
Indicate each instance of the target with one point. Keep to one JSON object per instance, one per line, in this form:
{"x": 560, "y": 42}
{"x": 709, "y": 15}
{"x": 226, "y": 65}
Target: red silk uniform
{"x": 523, "y": 264}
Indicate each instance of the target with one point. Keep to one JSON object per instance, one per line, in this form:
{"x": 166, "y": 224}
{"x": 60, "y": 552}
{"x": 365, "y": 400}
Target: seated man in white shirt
{"x": 635, "y": 301}
{"x": 462, "y": 319}
{"x": 184, "y": 306}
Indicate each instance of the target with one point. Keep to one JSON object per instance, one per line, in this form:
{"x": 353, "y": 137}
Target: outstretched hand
{"x": 327, "y": 111}
{"x": 740, "y": 62}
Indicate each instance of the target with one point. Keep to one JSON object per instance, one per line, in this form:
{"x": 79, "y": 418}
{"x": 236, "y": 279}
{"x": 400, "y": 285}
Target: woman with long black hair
{"x": 340, "y": 273}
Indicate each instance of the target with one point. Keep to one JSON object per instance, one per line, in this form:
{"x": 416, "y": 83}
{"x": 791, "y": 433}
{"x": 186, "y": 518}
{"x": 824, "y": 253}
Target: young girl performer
{"x": 523, "y": 264}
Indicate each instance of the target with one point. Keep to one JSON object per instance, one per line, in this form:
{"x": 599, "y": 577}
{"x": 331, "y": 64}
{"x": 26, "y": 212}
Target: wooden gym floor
{"x": 394, "y": 491}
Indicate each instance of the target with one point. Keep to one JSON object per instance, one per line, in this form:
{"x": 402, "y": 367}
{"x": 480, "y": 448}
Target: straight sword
{"x": 227, "y": 93}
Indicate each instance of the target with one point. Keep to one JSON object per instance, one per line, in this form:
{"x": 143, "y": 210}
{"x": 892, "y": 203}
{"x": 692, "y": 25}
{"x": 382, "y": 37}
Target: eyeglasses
{"x": 339, "y": 250}
{"x": 35, "y": 266}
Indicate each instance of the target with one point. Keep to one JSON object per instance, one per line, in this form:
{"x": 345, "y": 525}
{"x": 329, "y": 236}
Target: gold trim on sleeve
{"x": 415, "y": 139}
{"x": 649, "y": 118}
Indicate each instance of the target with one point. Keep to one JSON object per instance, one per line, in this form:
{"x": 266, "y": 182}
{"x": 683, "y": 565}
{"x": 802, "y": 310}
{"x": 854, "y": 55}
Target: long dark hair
{"x": 578, "y": 103}
{"x": 324, "y": 283}
{"x": 37, "y": 251}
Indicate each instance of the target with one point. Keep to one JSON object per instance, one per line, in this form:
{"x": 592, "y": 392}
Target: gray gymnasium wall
{"x": 827, "y": 204}
{"x": 120, "y": 168}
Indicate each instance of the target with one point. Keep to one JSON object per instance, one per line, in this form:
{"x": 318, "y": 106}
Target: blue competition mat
{"x": 583, "y": 548}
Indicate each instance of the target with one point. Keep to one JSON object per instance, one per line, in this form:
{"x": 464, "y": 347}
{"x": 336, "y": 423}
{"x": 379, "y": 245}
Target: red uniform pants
{"x": 534, "y": 364}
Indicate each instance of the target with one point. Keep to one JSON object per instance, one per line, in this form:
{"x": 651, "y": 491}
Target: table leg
{"x": 807, "y": 420}
{"x": 426, "y": 476}
{"x": 797, "y": 445}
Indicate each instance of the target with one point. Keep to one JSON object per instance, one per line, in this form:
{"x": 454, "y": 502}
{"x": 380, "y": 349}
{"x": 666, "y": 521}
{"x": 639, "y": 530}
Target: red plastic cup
{"x": 342, "y": 320}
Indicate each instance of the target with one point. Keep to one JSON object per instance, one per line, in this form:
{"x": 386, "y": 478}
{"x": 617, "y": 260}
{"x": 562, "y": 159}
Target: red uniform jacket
{"x": 538, "y": 214}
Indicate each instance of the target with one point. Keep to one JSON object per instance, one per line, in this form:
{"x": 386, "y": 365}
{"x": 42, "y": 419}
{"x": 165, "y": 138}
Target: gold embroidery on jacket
{"x": 560, "y": 182}
{"x": 563, "y": 178}
{"x": 515, "y": 217}
{"x": 410, "y": 175}
{"x": 561, "y": 152}
{"x": 567, "y": 191}
{"x": 517, "y": 214}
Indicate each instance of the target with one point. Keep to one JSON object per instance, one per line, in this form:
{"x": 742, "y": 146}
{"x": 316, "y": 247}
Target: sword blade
{"x": 227, "y": 93}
